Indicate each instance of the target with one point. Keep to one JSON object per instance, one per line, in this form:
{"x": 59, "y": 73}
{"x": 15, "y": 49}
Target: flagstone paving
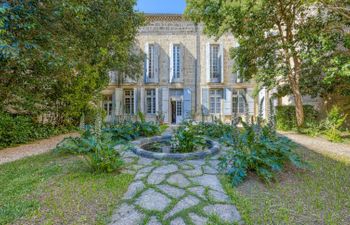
{"x": 174, "y": 193}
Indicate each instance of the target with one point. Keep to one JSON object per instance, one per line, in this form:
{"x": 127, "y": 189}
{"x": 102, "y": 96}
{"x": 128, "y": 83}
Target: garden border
{"x": 214, "y": 149}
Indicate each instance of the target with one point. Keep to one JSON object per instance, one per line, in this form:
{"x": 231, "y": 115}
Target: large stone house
{"x": 186, "y": 74}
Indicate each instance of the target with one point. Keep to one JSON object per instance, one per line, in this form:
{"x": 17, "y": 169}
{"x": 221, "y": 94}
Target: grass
{"x": 57, "y": 189}
{"x": 316, "y": 196}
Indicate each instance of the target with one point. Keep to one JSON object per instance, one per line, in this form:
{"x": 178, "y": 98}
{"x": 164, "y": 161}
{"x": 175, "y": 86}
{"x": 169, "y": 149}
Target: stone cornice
{"x": 164, "y": 17}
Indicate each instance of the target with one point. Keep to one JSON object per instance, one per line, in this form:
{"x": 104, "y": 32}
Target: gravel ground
{"x": 35, "y": 148}
{"x": 320, "y": 145}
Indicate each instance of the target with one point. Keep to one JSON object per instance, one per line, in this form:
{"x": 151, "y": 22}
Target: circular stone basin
{"x": 163, "y": 149}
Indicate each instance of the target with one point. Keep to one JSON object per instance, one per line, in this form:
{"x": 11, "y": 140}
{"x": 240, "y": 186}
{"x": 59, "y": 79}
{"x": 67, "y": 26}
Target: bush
{"x": 335, "y": 119}
{"x": 98, "y": 153}
{"x": 187, "y": 139}
{"x": 22, "y": 129}
{"x": 216, "y": 129}
{"x": 256, "y": 149}
{"x": 286, "y": 118}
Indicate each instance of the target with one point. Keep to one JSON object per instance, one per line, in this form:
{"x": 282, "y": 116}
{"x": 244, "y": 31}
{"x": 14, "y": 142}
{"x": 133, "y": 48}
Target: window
{"x": 107, "y": 105}
{"x": 150, "y": 65}
{"x": 176, "y": 61}
{"x": 238, "y": 102}
{"x": 112, "y": 77}
{"x": 129, "y": 101}
{"x": 151, "y": 101}
{"x": 214, "y": 63}
{"x": 215, "y": 101}
{"x": 179, "y": 108}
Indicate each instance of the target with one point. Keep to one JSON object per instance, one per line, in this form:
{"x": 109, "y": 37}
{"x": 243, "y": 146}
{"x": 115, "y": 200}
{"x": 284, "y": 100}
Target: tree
{"x": 55, "y": 55}
{"x": 282, "y": 43}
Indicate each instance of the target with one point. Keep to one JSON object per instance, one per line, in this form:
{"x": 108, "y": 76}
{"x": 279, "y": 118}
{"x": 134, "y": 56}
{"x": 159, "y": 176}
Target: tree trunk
{"x": 299, "y": 110}
{"x": 294, "y": 81}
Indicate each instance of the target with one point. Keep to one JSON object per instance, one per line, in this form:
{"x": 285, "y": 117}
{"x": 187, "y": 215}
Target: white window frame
{"x": 176, "y": 61}
{"x": 238, "y": 102}
{"x": 151, "y": 58}
{"x": 151, "y": 101}
{"x": 215, "y": 99}
{"x": 108, "y": 105}
{"x": 129, "y": 101}
{"x": 215, "y": 68}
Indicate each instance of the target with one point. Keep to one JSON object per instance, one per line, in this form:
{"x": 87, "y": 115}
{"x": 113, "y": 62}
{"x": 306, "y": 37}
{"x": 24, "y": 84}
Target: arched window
{"x": 239, "y": 102}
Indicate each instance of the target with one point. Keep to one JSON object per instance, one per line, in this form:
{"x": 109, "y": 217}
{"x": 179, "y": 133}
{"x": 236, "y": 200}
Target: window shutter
{"x": 205, "y": 101}
{"x": 157, "y": 99}
{"x": 227, "y": 102}
{"x": 182, "y": 60}
{"x": 165, "y": 103}
{"x": 171, "y": 62}
{"x": 142, "y": 99}
{"x": 187, "y": 103}
{"x": 239, "y": 79}
{"x": 136, "y": 95}
{"x": 146, "y": 63}
{"x": 118, "y": 101}
{"x": 156, "y": 63}
{"x": 113, "y": 107}
{"x": 222, "y": 66}
{"x": 250, "y": 101}
{"x": 207, "y": 58}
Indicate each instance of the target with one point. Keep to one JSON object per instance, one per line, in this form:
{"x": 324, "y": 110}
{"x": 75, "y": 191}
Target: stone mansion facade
{"x": 186, "y": 74}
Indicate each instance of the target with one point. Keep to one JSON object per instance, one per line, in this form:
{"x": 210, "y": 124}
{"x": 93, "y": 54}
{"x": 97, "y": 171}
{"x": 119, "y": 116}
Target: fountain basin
{"x": 164, "y": 153}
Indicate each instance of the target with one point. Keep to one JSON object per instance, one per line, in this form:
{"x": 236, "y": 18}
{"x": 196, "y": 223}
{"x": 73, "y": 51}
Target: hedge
{"x": 286, "y": 118}
{"x": 22, "y": 129}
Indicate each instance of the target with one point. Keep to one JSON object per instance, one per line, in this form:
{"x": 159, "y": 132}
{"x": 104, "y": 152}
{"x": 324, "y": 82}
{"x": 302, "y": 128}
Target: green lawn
{"x": 53, "y": 189}
{"x": 320, "y": 195}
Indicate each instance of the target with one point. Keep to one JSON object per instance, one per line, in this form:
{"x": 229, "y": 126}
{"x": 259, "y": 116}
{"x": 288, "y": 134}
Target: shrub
{"x": 187, "y": 139}
{"x": 256, "y": 149}
{"x": 335, "y": 119}
{"x": 286, "y": 118}
{"x": 217, "y": 129}
{"x": 103, "y": 157}
{"x": 98, "y": 152}
{"x": 22, "y": 129}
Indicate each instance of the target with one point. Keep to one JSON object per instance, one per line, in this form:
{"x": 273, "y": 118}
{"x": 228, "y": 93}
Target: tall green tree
{"x": 55, "y": 55}
{"x": 288, "y": 44}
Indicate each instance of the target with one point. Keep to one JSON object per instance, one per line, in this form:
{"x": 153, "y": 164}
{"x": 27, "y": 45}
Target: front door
{"x": 176, "y": 111}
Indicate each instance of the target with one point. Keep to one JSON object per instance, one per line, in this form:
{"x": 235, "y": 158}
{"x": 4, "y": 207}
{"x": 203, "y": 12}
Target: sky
{"x": 161, "y": 6}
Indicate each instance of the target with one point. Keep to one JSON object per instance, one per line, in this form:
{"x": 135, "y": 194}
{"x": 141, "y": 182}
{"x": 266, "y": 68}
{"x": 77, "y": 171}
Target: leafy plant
{"x": 217, "y": 129}
{"x": 286, "y": 119}
{"x": 103, "y": 157}
{"x": 257, "y": 148}
{"x": 97, "y": 151}
{"x": 187, "y": 139}
{"x": 335, "y": 119}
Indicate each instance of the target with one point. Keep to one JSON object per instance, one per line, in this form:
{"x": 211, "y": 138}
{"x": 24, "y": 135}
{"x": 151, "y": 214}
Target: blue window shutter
{"x": 227, "y": 102}
{"x": 165, "y": 103}
{"x": 205, "y": 101}
{"x": 187, "y": 103}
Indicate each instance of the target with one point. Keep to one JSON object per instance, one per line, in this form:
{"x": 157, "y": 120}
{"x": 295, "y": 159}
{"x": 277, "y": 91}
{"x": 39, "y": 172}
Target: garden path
{"x": 320, "y": 145}
{"x": 174, "y": 192}
{"x": 35, "y": 148}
